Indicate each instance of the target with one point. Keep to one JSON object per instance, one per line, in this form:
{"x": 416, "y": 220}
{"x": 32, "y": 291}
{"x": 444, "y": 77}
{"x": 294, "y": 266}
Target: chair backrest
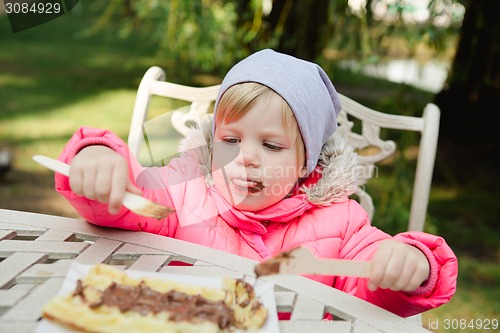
{"x": 201, "y": 98}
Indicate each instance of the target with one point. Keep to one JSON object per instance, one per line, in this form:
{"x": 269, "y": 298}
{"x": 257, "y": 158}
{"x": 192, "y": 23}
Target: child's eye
{"x": 272, "y": 147}
{"x": 231, "y": 140}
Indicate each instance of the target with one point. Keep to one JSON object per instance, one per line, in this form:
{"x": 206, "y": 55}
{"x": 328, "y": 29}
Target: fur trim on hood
{"x": 335, "y": 178}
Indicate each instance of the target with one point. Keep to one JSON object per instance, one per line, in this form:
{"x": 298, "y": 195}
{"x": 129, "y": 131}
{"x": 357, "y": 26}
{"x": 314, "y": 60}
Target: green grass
{"x": 53, "y": 65}
{"x": 477, "y": 298}
{"x": 52, "y": 81}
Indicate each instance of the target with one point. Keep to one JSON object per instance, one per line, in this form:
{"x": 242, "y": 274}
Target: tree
{"x": 211, "y": 35}
{"x": 300, "y": 27}
{"x": 472, "y": 93}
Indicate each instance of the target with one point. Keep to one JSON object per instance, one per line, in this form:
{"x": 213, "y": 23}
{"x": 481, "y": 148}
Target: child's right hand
{"x": 99, "y": 173}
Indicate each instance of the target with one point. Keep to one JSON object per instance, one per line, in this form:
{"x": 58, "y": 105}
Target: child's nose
{"x": 249, "y": 155}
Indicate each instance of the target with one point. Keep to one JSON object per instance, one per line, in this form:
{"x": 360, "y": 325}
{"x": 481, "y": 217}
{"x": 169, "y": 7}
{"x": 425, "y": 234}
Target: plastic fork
{"x": 134, "y": 202}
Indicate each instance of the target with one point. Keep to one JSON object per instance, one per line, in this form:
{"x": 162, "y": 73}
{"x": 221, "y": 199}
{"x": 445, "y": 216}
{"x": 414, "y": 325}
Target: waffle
{"x": 108, "y": 300}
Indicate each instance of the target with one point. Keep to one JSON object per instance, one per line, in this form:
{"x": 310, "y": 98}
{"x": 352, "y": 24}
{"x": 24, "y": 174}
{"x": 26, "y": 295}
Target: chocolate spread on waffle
{"x": 180, "y": 306}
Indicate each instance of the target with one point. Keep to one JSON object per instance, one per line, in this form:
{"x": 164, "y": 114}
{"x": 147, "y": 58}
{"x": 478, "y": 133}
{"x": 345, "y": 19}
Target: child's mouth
{"x": 252, "y": 186}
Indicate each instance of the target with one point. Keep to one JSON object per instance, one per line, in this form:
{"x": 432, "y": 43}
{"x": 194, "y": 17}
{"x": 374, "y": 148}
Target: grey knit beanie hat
{"x": 302, "y": 84}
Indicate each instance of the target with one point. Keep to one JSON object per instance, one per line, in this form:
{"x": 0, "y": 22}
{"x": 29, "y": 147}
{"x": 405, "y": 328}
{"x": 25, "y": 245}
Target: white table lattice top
{"x": 36, "y": 251}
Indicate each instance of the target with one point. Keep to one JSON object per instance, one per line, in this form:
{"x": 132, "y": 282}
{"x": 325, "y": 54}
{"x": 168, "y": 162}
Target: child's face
{"x": 255, "y": 161}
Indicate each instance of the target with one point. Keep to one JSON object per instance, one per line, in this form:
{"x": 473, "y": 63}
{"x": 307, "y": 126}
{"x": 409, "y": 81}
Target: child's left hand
{"x": 398, "y": 266}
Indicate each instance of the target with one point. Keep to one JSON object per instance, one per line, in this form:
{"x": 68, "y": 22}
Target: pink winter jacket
{"x": 317, "y": 216}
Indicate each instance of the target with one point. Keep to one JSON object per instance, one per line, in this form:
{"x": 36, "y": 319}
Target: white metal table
{"x": 36, "y": 251}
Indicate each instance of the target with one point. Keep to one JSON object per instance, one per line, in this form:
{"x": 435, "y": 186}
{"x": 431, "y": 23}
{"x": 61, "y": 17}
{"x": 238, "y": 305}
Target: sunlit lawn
{"x": 51, "y": 83}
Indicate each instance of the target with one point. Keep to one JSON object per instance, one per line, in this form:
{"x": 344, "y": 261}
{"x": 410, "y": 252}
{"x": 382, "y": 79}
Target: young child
{"x": 265, "y": 177}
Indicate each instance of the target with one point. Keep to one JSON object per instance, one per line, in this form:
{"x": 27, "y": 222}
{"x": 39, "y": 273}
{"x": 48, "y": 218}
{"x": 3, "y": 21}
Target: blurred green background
{"x": 83, "y": 69}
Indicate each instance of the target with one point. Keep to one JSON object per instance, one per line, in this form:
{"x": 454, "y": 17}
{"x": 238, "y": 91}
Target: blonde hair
{"x": 240, "y": 98}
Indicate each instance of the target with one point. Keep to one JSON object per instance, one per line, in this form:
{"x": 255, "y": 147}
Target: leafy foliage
{"x": 185, "y": 31}
{"x": 211, "y": 35}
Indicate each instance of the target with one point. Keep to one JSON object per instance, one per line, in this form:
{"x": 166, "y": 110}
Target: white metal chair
{"x": 153, "y": 84}
{"x": 372, "y": 122}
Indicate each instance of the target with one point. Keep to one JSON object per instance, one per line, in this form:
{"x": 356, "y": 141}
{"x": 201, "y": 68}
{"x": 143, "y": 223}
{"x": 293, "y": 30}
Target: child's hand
{"x": 398, "y": 266}
{"x": 99, "y": 173}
